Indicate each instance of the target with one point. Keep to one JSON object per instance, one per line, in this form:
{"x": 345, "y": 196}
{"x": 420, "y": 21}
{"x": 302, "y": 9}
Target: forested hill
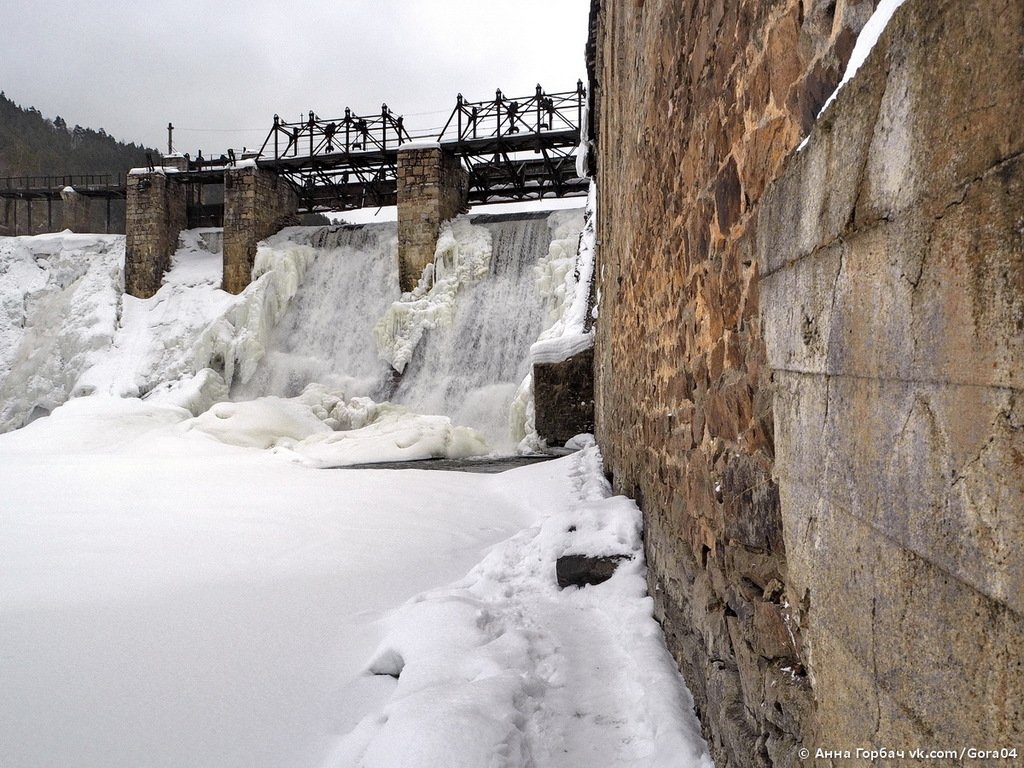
{"x": 31, "y": 144}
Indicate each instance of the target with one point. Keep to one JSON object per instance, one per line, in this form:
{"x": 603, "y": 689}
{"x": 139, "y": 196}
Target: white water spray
{"x": 463, "y": 354}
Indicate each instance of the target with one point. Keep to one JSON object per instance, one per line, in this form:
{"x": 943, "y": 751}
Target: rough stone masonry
{"x": 156, "y": 214}
{"x": 432, "y": 188}
{"x": 833, "y": 518}
{"x": 257, "y": 203}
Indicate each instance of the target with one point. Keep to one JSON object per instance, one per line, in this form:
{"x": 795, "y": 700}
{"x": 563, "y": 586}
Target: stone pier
{"x": 257, "y": 203}
{"x": 75, "y": 211}
{"x": 432, "y": 187}
{"x": 156, "y": 214}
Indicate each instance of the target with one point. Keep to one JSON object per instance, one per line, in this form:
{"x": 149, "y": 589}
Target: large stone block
{"x": 699, "y": 104}
{"x": 877, "y": 277}
{"x": 563, "y": 394}
{"x": 898, "y": 360}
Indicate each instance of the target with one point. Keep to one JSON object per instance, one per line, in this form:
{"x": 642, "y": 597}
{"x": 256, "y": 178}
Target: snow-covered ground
{"x": 184, "y": 582}
{"x": 168, "y": 599}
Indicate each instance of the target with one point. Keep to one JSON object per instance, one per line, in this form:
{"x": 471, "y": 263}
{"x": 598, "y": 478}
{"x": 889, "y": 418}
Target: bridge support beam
{"x": 154, "y": 218}
{"x": 7, "y": 224}
{"x": 75, "y": 211}
{"x": 257, "y": 203}
{"x": 432, "y": 188}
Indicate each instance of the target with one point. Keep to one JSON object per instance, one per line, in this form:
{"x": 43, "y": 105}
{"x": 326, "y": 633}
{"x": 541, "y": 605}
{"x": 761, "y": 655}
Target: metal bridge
{"x": 49, "y": 188}
{"x": 512, "y": 149}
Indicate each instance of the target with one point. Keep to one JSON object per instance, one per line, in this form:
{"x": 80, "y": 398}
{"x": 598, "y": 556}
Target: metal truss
{"x": 512, "y": 149}
{"x": 50, "y": 187}
{"x": 540, "y": 113}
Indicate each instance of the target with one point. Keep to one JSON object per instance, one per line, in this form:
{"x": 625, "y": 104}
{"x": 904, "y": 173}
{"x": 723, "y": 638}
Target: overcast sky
{"x": 220, "y": 69}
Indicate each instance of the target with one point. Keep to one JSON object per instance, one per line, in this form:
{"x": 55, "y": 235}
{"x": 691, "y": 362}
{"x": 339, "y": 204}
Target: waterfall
{"x": 467, "y": 369}
{"x": 326, "y": 335}
{"x": 470, "y": 370}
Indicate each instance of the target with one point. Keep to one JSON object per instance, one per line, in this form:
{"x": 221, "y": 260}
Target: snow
{"x": 420, "y": 144}
{"x": 170, "y": 599}
{"x": 584, "y": 148}
{"x": 866, "y": 41}
{"x": 189, "y": 580}
{"x": 321, "y": 428}
{"x": 187, "y": 344}
{"x": 566, "y": 274}
{"x": 161, "y": 169}
{"x": 59, "y": 306}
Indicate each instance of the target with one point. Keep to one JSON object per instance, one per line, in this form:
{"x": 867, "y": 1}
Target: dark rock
{"x": 580, "y": 570}
{"x": 727, "y": 196}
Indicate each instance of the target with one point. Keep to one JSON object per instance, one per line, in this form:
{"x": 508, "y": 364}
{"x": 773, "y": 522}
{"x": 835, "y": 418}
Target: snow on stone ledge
{"x": 561, "y": 348}
{"x": 866, "y": 41}
{"x": 420, "y": 144}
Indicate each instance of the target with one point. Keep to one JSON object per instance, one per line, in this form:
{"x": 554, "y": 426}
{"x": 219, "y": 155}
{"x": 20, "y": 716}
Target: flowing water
{"x": 326, "y": 334}
{"x": 468, "y": 370}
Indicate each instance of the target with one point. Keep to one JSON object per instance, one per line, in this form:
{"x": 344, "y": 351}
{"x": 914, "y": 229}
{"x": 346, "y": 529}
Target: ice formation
{"x": 323, "y": 309}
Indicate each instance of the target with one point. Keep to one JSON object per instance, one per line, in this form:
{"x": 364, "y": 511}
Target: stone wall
{"x": 257, "y": 204}
{"x": 700, "y": 102}
{"x": 891, "y": 254}
{"x": 432, "y": 188}
{"x": 856, "y": 307}
{"x": 155, "y": 217}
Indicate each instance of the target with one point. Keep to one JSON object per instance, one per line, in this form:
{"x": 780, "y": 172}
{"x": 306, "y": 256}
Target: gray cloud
{"x": 220, "y": 70}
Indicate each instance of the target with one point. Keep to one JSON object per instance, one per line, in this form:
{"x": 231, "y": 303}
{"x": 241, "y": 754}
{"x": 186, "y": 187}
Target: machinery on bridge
{"x": 512, "y": 149}
{"x": 499, "y": 142}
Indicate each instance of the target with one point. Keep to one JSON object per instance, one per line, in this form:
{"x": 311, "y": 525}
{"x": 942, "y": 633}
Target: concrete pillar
{"x": 432, "y": 187}
{"x": 75, "y": 211}
{"x": 154, "y": 218}
{"x": 257, "y": 203}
